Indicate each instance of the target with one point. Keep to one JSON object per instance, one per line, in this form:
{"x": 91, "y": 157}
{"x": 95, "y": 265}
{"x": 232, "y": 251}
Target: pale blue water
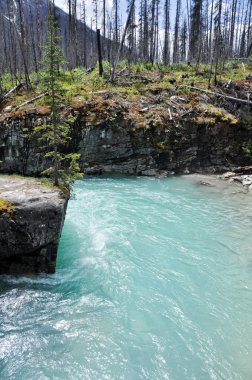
{"x": 154, "y": 281}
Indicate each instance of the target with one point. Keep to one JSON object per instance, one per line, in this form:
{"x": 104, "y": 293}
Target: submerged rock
{"x": 30, "y": 228}
{"x": 203, "y": 183}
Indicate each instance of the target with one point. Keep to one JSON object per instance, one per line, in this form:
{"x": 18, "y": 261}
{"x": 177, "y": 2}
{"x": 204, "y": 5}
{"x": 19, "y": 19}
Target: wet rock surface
{"x": 30, "y": 233}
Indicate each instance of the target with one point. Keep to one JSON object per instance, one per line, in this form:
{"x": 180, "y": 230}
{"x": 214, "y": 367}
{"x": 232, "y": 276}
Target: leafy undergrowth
{"x": 145, "y": 94}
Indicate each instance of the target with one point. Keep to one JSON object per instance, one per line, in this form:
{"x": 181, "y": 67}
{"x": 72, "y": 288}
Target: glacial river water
{"x": 154, "y": 281}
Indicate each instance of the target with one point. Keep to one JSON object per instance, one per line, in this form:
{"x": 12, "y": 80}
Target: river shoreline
{"x": 218, "y": 182}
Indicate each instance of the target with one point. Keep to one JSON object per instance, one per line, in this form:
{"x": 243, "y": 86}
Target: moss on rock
{"x": 6, "y": 207}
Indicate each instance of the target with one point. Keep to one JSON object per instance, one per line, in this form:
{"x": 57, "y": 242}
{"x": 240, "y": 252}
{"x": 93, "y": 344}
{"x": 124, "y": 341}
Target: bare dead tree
{"x": 166, "y": 50}
{"x": 119, "y": 52}
{"x": 176, "y": 33}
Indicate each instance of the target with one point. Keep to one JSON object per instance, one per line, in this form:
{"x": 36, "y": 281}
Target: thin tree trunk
{"x": 98, "y": 35}
{"x": 112, "y": 74}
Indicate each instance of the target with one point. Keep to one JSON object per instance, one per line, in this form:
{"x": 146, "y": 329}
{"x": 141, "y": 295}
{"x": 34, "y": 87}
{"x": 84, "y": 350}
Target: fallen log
{"x": 218, "y": 94}
{"x": 31, "y": 100}
{"x": 16, "y": 88}
{"x": 242, "y": 59}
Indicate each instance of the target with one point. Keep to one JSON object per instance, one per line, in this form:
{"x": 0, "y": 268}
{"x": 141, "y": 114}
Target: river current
{"x": 153, "y": 281}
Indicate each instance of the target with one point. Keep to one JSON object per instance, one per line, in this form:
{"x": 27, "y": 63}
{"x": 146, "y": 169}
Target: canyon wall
{"x": 121, "y": 146}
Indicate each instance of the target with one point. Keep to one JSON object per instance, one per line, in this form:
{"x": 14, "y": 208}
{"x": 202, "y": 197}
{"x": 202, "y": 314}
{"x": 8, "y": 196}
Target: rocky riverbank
{"x": 31, "y": 220}
{"x": 240, "y": 175}
{"x": 218, "y": 183}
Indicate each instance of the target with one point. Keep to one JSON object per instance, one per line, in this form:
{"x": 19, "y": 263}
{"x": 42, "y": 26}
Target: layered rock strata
{"x": 123, "y": 146}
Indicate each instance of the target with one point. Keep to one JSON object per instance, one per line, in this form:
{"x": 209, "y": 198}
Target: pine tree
{"x": 64, "y": 167}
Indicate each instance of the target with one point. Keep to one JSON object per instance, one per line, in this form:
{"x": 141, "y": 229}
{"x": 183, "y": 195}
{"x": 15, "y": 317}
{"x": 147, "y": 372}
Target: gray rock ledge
{"x": 30, "y": 234}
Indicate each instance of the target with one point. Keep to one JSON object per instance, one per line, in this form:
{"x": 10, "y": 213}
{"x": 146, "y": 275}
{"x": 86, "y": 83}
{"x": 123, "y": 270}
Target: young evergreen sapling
{"x": 64, "y": 167}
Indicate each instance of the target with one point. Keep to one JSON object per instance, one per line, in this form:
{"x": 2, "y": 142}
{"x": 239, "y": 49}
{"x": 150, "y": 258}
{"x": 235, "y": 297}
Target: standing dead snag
{"x": 119, "y": 52}
{"x": 98, "y": 35}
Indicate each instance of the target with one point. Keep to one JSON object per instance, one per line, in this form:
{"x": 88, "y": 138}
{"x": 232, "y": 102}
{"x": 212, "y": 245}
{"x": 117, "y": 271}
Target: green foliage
{"x": 139, "y": 67}
{"x": 162, "y": 145}
{"x": 149, "y": 66}
{"x": 248, "y": 125}
{"x": 123, "y": 63}
{"x": 56, "y": 134}
{"x": 79, "y": 84}
{"x": 96, "y": 82}
{"x": 69, "y": 170}
{"x": 184, "y": 67}
{"x": 247, "y": 148}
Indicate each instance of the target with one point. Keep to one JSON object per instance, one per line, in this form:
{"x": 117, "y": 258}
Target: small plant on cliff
{"x": 247, "y": 148}
{"x": 5, "y": 207}
{"x": 64, "y": 167}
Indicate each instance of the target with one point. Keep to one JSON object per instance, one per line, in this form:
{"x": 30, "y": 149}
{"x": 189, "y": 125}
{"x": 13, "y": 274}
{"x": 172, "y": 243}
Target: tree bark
{"x": 98, "y": 35}
{"x": 111, "y": 79}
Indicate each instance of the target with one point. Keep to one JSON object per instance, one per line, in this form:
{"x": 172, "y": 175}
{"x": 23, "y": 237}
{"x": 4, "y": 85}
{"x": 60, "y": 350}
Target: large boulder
{"x": 31, "y": 221}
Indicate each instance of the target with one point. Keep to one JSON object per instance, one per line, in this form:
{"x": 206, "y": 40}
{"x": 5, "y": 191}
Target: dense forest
{"x": 154, "y": 31}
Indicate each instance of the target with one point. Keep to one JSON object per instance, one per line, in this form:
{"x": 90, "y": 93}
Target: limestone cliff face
{"x": 119, "y": 144}
{"x": 30, "y": 233}
{"x": 178, "y": 149}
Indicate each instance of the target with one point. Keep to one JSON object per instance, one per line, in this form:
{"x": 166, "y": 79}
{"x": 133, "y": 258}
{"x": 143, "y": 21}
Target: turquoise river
{"x": 153, "y": 281}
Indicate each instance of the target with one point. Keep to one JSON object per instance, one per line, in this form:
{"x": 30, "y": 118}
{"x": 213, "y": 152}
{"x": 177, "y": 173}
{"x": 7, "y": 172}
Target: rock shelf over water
{"x": 30, "y": 227}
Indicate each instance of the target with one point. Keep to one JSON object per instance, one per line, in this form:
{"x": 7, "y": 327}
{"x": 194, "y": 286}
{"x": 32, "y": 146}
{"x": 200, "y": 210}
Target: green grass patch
{"x": 80, "y": 84}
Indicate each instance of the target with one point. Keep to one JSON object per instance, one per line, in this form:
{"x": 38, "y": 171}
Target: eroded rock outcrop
{"x": 128, "y": 137}
{"x": 31, "y": 229}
